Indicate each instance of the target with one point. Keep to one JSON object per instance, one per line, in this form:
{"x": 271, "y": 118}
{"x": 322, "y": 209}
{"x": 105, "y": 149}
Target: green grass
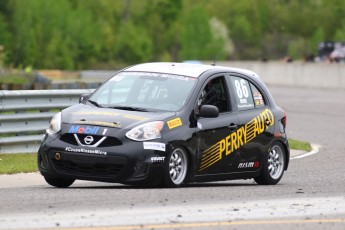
{"x": 299, "y": 145}
{"x": 15, "y": 79}
{"x": 27, "y": 162}
{"x": 18, "y": 163}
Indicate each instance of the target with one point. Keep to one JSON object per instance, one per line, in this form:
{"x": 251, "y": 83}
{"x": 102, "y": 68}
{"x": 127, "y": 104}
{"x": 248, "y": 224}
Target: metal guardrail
{"x": 25, "y": 116}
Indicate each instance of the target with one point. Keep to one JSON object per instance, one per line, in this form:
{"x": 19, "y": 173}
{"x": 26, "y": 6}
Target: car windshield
{"x": 144, "y": 91}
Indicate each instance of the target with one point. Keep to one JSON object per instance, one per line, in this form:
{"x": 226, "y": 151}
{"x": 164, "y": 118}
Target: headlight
{"x": 147, "y": 131}
{"x": 55, "y": 124}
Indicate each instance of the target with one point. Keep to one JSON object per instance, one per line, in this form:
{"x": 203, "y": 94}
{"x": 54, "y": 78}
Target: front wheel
{"x": 175, "y": 168}
{"x": 273, "y": 166}
{"x": 59, "y": 182}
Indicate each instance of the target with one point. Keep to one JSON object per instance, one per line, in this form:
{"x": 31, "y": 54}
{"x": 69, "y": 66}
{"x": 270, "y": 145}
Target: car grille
{"x": 85, "y": 169}
{"x": 108, "y": 142}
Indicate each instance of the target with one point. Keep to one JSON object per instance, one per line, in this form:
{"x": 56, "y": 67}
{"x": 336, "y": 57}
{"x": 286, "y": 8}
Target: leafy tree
{"x": 53, "y": 34}
{"x": 162, "y": 16}
{"x": 340, "y": 32}
{"x": 133, "y": 44}
{"x": 5, "y": 35}
{"x": 317, "y": 37}
{"x": 197, "y": 41}
{"x": 4, "y": 18}
{"x": 79, "y": 34}
{"x": 222, "y": 44}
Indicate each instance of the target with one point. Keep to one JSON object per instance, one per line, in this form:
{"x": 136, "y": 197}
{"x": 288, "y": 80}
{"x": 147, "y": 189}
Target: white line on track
{"x": 315, "y": 149}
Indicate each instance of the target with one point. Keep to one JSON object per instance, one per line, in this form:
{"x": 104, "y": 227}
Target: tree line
{"x": 85, "y": 34}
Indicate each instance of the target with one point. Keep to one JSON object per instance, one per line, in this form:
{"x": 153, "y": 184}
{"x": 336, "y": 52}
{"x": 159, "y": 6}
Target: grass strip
{"x": 15, "y": 79}
{"x": 18, "y": 163}
{"x": 299, "y": 145}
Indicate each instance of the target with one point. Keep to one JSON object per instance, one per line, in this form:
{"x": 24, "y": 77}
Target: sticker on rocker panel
{"x": 157, "y": 159}
{"x": 154, "y": 146}
{"x": 246, "y": 165}
{"x": 174, "y": 123}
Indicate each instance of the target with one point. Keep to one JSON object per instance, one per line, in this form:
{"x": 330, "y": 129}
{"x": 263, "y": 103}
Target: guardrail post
{"x": 22, "y": 120}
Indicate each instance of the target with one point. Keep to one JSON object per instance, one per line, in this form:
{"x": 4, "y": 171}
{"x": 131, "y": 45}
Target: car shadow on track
{"x": 192, "y": 185}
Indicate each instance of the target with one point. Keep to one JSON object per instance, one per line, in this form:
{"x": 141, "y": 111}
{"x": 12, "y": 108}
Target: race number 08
{"x": 241, "y": 88}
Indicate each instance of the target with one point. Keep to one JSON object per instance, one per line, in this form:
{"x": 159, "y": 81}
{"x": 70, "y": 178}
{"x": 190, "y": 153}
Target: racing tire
{"x": 59, "y": 182}
{"x": 273, "y": 166}
{"x": 175, "y": 168}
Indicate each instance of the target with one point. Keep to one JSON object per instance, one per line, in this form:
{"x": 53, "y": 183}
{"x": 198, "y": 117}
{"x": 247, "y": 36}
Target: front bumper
{"x": 126, "y": 163}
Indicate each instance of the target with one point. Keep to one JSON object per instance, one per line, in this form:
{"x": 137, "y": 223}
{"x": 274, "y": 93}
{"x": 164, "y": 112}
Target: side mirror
{"x": 84, "y": 97}
{"x": 208, "y": 111}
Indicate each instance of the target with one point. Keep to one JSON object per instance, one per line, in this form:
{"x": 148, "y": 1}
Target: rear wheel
{"x": 176, "y": 168}
{"x": 273, "y": 166}
{"x": 59, "y": 182}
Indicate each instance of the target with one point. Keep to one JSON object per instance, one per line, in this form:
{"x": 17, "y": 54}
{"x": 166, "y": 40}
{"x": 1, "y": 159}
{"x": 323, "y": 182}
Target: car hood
{"x": 116, "y": 118}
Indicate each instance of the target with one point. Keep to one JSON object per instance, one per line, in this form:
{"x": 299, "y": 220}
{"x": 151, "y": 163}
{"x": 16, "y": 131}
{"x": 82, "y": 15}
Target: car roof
{"x": 185, "y": 69}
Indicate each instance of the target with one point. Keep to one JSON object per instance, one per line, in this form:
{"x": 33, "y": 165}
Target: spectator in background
{"x": 309, "y": 58}
{"x": 287, "y": 59}
{"x": 337, "y": 55}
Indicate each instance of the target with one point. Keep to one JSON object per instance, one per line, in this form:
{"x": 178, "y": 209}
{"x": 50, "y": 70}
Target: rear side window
{"x": 243, "y": 92}
{"x": 248, "y": 96}
{"x": 258, "y": 99}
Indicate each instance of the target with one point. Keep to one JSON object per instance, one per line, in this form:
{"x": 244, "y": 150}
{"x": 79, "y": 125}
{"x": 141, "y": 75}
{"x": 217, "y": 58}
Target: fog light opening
{"x": 57, "y": 156}
{"x": 140, "y": 169}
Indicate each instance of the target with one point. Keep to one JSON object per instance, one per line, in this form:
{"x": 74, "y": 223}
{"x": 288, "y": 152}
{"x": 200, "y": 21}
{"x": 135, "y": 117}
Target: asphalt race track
{"x": 311, "y": 194}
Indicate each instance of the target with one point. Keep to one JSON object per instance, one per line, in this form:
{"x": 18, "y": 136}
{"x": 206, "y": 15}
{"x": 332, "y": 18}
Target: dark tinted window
{"x": 215, "y": 93}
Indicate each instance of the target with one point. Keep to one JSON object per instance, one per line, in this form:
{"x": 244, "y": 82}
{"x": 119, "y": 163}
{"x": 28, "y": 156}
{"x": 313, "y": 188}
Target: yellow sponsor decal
{"x": 96, "y": 113}
{"x": 174, "y": 123}
{"x": 99, "y": 123}
{"x": 236, "y": 139}
{"x": 133, "y": 117}
{"x": 128, "y": 116}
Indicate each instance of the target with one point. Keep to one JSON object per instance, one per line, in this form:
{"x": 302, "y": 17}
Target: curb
{"x": 297, "y": 154}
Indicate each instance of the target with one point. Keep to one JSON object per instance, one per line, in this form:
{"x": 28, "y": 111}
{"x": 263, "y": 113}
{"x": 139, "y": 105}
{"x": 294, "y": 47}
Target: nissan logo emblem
{"x": 88, "y": 140}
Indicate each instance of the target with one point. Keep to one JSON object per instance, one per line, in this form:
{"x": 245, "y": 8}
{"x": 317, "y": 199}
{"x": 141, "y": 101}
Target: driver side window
{"x": 215, "y": 93}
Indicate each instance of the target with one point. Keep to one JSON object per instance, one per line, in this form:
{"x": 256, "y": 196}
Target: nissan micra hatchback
{"x": 168, "y": 124}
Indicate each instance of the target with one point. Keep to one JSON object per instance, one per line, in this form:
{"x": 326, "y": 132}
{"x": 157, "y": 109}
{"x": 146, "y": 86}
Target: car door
{"x": 255, "y": 119}
{"x": 212, "y": 134}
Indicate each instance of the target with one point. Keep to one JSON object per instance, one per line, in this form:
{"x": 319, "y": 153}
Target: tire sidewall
{"x": 59, "y": 182}
{"x": 265, "y": 176}
{"x": 167, "y": 181}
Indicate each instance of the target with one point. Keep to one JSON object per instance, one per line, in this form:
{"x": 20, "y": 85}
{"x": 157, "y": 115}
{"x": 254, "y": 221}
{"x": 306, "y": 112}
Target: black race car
{"x": 169, "y": 124}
